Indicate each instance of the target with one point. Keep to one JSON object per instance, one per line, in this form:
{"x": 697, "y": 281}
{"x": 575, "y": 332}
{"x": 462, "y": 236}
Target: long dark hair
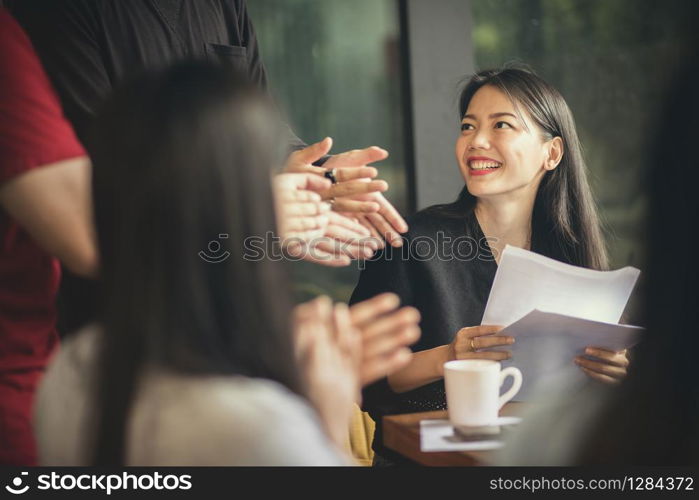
{"x": 565, "y": 224}
{"x": 182, "y": 157}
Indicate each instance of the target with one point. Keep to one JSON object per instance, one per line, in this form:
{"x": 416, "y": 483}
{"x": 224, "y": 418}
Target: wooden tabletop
{"x": 401, "y": 433}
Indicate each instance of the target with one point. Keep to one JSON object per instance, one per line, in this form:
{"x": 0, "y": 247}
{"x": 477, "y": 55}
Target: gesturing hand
{"x": 476, "y": 342}
{"x": 354, "y": 194}
{"x": 371, "y": 207}
{"x": 352, "y": 175}
{"x": 386, "y": 333}
{"x": 386, "y": 223}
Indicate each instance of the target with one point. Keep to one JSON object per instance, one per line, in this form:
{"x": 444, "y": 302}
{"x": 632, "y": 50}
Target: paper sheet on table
{"x": 438, "y": 435}
{"x": 546, "y": 343}
{"x": 526, "y": 281}
{"x": 583, "y": 306}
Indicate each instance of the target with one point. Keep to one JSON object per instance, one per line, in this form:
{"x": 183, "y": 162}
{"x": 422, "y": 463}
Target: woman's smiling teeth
{"x": 483, "y": 165}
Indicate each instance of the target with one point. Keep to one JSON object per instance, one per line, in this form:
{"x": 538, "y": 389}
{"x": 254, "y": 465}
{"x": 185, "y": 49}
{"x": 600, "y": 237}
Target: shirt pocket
{"x": 232, "y": 56}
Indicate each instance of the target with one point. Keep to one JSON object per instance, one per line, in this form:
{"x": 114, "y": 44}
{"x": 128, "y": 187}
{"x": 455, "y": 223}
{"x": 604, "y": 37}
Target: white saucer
{"x": 479, "y": 431}
{"x": 498, "y": 421}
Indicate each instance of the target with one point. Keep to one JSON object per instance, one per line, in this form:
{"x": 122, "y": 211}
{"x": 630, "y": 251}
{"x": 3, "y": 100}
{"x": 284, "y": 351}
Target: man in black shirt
{"x": 89, "y": 46}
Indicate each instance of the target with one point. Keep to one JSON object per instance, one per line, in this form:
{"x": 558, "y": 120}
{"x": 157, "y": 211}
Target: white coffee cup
{"x": 473, "y": 390}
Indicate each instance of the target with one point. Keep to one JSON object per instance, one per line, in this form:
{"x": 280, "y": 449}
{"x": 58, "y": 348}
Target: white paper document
{"x": 555, "y": 310}
{"x": 546, "y": 343}
{"x": 526, "y": 281}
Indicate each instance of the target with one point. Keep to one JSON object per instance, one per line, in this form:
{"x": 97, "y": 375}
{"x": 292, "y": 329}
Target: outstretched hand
{"x": 355, "y": 194}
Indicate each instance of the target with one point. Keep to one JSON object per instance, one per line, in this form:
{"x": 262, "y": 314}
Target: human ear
{"x": 555, "y": 153}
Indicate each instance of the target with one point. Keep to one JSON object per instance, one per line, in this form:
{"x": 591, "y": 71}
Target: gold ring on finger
{"x": 473, "y": 346}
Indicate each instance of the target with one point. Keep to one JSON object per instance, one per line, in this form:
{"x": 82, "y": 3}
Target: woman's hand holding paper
{"x": 476, "y": 342}
{"x": 608, "y": 366}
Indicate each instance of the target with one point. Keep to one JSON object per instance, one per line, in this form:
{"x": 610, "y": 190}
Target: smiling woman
{"x": 525, "y": 185}
{"x": 514, "y": 142}
{"x": 516, "y": 119}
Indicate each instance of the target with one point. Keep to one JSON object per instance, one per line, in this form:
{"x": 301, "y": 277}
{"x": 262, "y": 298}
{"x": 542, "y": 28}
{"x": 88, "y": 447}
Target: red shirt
{"x": 33, "y": 133}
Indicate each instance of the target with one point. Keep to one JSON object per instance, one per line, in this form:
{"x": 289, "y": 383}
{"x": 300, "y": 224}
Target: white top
{"x": 179, "y": 419}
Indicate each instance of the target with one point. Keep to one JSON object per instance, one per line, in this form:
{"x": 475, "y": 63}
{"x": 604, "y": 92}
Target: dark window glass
{"x": 334, "y": 68}
{"x": 612, "y": 60}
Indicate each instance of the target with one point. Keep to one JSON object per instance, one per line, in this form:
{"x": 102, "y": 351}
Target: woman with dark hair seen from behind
{"x": 653, "y": 417}
{"x": 195, "y": 362}
{"x": 526, "y": 186}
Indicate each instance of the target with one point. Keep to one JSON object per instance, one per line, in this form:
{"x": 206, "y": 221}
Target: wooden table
{"x": 401, "y": 433}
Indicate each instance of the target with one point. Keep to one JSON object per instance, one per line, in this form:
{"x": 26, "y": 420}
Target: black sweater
{"x": 445, "y": 269}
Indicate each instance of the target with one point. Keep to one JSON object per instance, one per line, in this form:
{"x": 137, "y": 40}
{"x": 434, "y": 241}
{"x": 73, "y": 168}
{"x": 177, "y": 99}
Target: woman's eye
{"x": 466, "y": 126}
{"x": 503, "y": 125}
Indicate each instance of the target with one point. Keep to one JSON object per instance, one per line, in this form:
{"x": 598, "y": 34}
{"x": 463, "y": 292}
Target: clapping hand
{"x": 301, "y": 213}
{"x": 355, "y": 194}
{"x": 328, "y": 349}
{"x": 386, "y": 333}
{"x": 307, "y": 227}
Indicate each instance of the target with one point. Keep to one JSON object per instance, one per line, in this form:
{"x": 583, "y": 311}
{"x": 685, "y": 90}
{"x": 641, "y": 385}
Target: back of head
{"x": 182, "y": 158}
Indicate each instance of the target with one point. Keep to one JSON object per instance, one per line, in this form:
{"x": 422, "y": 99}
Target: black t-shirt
{"x": 445, "y": 269}
{"x": 88, "y": 47}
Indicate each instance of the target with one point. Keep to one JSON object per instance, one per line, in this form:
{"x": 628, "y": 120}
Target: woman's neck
{"x": 505, "y": 222}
